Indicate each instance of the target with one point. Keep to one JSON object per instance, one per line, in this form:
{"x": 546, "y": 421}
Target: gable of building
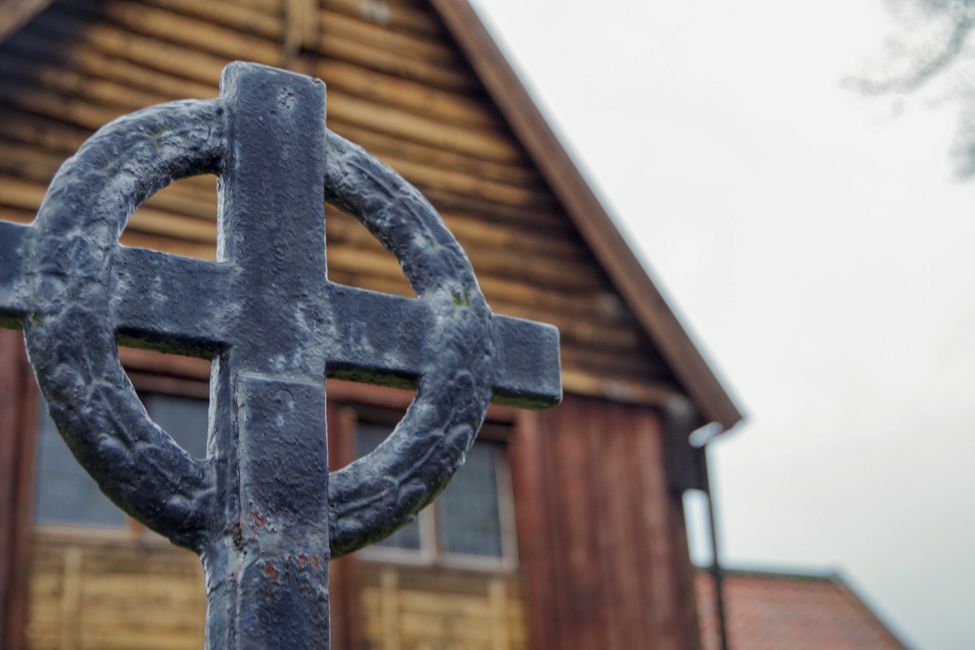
{"x": 419, "y": 84}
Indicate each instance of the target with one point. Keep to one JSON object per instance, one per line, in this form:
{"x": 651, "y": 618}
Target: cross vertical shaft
{"x": 267, "y": 573}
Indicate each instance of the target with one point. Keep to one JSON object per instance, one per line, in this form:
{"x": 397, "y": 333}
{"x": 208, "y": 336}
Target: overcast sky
{"x": 821, "y": 251}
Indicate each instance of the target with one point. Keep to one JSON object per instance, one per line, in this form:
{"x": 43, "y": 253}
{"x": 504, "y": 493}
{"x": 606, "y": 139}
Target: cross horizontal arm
{"x": 379, "y": 338}
{"x": 185, "y": 306}
{"x": 177, "y": 304}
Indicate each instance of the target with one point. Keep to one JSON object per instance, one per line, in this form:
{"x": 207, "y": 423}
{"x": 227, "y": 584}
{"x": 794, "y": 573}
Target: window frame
{"x": 349, "y": 402}
{"x": 430, "y": 553}
{"x": 149, "y": 372}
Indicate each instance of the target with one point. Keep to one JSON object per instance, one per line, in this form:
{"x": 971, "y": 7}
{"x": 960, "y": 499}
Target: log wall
{"x": 602, "y": 547}
{"x": 397, "y": 84}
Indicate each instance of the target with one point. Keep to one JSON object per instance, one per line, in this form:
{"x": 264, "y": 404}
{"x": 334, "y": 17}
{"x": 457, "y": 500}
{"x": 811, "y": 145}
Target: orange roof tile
{"x": 776, "y": 611}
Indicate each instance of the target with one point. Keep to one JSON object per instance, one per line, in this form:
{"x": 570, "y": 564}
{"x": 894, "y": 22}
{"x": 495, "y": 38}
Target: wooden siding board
{"x": 599, "y": 488}
{"x": 612, "y": 558}
{"x": 661, "y": 557}
{"x": 345, "y": 573}
{"x": 529, "y": 467}
{"x": 18, "y": 404}
{"x": 624, "y": 597}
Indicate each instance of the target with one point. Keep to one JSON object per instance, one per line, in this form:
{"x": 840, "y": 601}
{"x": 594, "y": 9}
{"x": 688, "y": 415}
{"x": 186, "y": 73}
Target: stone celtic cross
{"x": 261, "y": 510}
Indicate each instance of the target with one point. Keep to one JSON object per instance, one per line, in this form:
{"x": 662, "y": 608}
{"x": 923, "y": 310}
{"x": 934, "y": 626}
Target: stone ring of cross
{"x": 261, "y": 509}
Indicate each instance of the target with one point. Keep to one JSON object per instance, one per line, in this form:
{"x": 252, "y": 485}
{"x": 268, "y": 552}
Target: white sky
{"x": 821, "y": 252}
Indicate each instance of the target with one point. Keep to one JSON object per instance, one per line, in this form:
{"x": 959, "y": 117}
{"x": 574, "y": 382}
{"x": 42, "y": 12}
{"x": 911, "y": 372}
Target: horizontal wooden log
{"x": 23, "y": 161}
{"x": 523, "y": 238}
{"x": 265, "y": 21}
{"x": 86, "y": 107}
{"x": 75, "y": 54}
{"x": 466, "y": 140}
{"x": 351, "y": 51}
{"x": 153, "y": 53}
{"x": 45, "y": 135}
{"x": 112, "y": 95}
{"x": 73, "y": 110}
{"x": 196, "y": 196}
{"x": 460, "y": 182}
{"x": 25, "y": 195}
{"x": 271, "y": 7}
{"x": 16, "y": 215}
{"x": 434, "y": 51}
{"x": 394, "y": 15}
{"x": 644, "y": 367}
{"x": 382, "y": 144}
{"x": 72, "y": 84}
{"x": 173, "y": 27}
{"x": 502, "y": 263}
{"x": 546, "y": 220}
{"x": 383, "y": 88}
{"x": 475, "y": 234}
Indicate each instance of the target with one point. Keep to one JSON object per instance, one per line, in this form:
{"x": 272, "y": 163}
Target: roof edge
{"x": 854, "y": 595}
{"x": 595, "y": 225}
{"x": 832, "y": 576}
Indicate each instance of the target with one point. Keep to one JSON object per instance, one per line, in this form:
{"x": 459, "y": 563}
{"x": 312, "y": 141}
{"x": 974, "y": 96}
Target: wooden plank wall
{"x": 413, "y": 608}
{"x": 106, "y": 592}
{"x": 397, "y": 84}
{"x": 17, "y": 447}
{"x": 603, "y": 540}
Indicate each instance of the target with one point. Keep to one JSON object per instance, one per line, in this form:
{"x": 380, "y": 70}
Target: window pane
{"x": 65, "y": 492}
{"x": 184, "y": 418}
{"x": 469, "y": 515}
{"x": 367, "y": 437}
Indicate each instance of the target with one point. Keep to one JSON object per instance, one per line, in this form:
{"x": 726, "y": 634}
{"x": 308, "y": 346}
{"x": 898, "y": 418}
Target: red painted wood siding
{"x": 18, "y": 406}
{"x": 602, "y": 538}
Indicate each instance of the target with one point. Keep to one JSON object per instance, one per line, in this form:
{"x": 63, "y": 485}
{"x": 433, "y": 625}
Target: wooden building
{"x": 565, "y": 529}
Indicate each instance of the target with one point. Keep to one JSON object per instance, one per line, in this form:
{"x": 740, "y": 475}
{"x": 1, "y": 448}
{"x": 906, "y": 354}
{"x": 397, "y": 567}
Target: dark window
{"x": 469, "y": 519}
{"x": 66, "y": 494}
{"x": 368, "y": 437}
{"x": 184, "y": 418}
{"x": 468, "y": 515}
